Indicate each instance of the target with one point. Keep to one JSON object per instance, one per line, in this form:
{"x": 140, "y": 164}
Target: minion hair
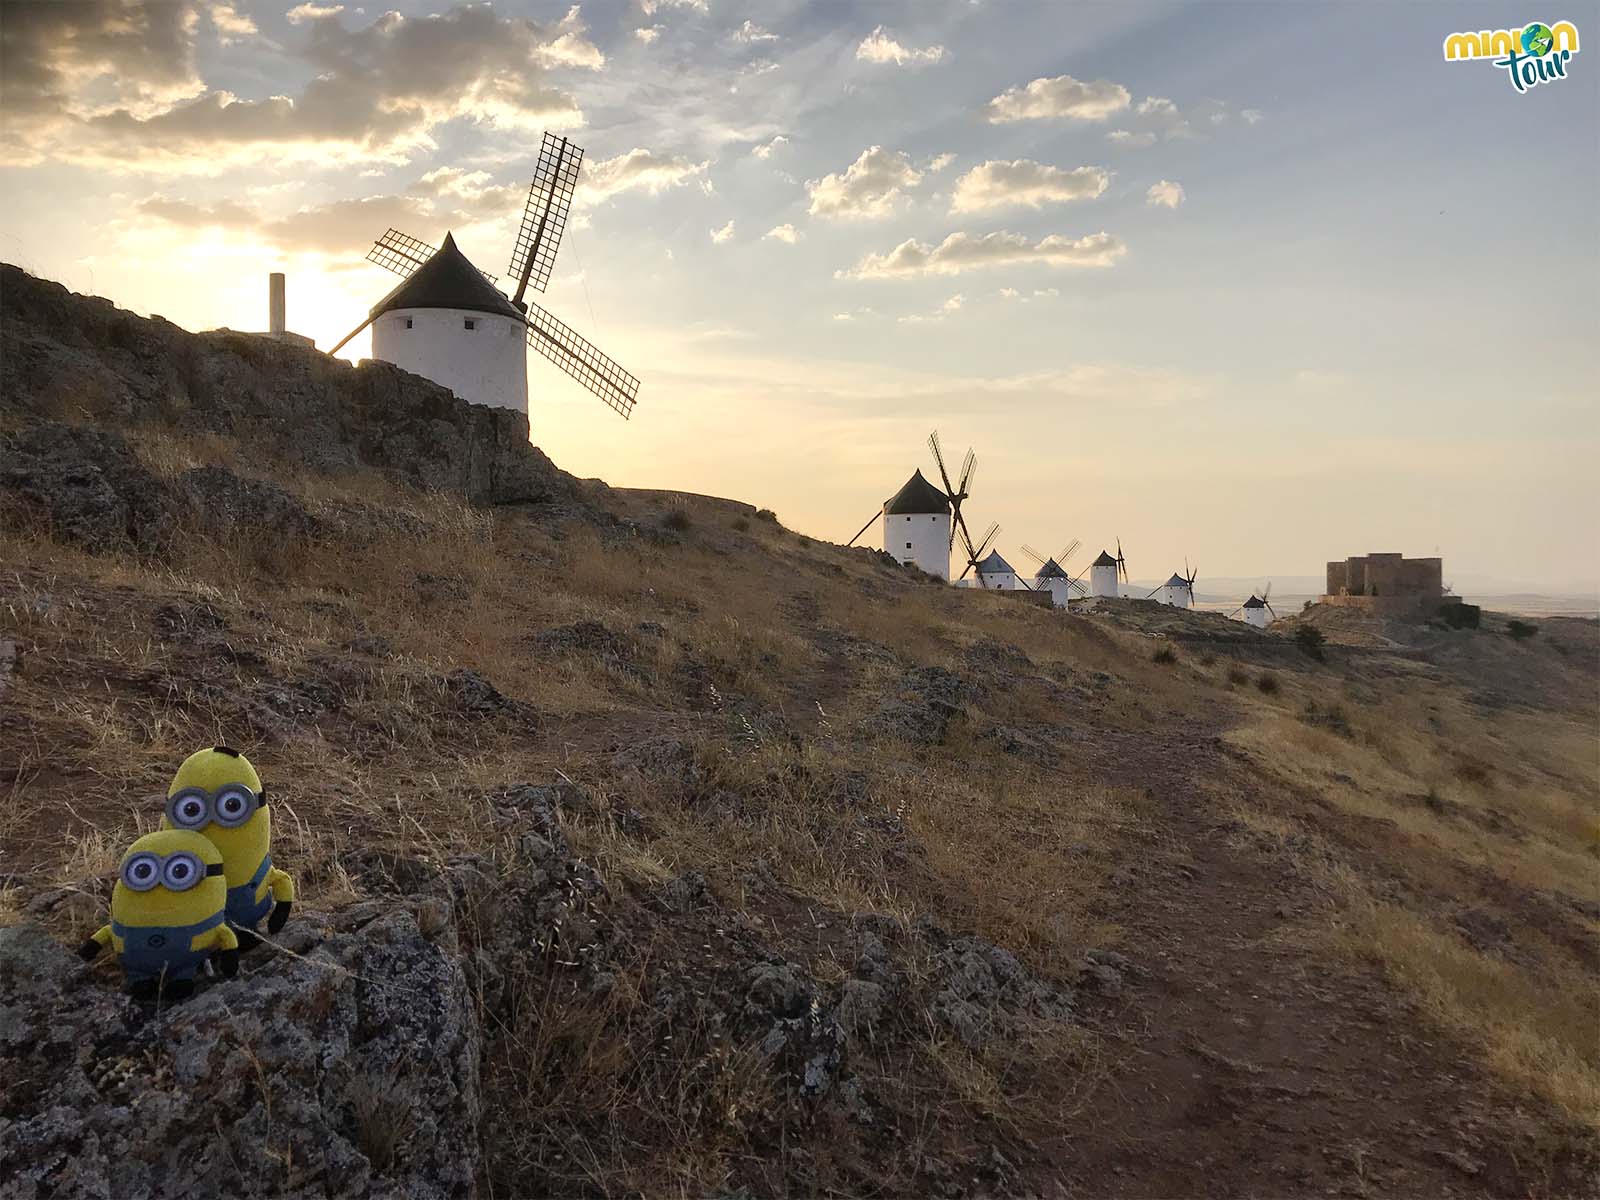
{"x": 228, "y": 750}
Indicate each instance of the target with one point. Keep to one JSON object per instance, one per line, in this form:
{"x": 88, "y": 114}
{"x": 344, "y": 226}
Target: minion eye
{"x": 233, "y": 806}
{"x": 141, "y": 872}
{"x": 189, "y": 810}
{"x": 181, "y": 872}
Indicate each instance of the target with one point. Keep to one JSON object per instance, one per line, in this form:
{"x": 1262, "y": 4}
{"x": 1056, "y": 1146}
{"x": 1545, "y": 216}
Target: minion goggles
{"x": 178, "y": 872}
{"x": 230, "y": 806}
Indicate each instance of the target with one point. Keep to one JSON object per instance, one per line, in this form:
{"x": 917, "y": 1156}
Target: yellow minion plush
{"x": 168, "y": 913}
{"x": 217, "y": 793}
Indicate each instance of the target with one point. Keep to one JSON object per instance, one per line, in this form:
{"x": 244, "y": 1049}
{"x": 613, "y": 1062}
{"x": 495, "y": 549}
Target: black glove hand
{"x": 279, "y": 917}
{"x": 228, "y": 962}
{"x": 89, "y": 950}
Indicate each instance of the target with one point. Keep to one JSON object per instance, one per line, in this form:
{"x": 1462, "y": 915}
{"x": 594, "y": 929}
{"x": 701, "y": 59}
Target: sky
{"x": 1255, "y": 285}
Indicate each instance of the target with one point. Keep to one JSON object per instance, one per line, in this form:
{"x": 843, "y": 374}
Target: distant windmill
{"x": 1179, "y": 590}
{"x": 1257, "y": 608}
{"x": 447, "y": 321}
{"x": 920, "y": 522}
{"x": 1052, "y": 575}
{"x": 1105, "y": 572}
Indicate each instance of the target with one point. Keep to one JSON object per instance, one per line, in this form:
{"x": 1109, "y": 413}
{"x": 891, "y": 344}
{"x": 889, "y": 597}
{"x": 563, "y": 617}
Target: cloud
{"x": 650, "y": 7}
{"x": 1165, "y": 194}
{"x": 1059, "y": 97}
{"x": 869, "y": 187}
{"x": 718, "y": 236}
{"x": 938, "y": 163}
{"x": 879, "y": 47}
{"x": 765, "y": 149}
{"x": 949, "y": 307}
{"x": 230, "y": 24}
{"x": 963, "y": 252}
{"x": 648, "y": 33}
{"x": 751, "y": 32}
{"x": 783, "y": 233}
{"x": 637, "y": 169}
{"x": 375, "y": 94}
{"x": 1159, "y": 118}
{"x": 1021, "y": 181}
{"x": 302, "y": 13}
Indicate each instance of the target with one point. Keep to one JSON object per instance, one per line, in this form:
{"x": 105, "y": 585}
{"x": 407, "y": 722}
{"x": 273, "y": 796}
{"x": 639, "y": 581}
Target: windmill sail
{"x": 544, "y": 218}
{"x": 403, "y": 254}
{"x": 581, "y": 359}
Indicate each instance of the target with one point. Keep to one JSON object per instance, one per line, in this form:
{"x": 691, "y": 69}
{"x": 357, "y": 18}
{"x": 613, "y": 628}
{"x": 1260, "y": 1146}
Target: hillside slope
{"x": 647, "y": 847}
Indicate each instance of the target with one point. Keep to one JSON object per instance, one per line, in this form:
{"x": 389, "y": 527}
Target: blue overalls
{"x": 244, "y": 910}
{"x": 148, "y": 951}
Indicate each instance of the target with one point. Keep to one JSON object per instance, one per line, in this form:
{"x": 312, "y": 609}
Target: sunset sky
{"x": 1256, "y": 284}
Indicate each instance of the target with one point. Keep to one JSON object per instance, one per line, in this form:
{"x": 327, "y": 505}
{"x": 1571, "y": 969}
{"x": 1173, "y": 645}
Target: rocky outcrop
{"x": 347, "y": 1068}
{"x": 69, "y": 357}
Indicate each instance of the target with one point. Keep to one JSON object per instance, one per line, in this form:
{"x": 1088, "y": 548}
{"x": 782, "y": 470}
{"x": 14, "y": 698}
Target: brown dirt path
{"x": 1255, "y": 1066}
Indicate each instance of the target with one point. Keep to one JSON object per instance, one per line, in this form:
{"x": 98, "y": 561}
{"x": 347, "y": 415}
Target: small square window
{"x": 408, "y": 322}
{"x": 908, "y": 545}
{"x": 469, "y": 323}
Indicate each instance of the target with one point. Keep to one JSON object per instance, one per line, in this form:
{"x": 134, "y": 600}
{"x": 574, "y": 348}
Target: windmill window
{"x": 408, "y": 322}
{"x": 908, "y": 545}
{"x": 469, "y": 323}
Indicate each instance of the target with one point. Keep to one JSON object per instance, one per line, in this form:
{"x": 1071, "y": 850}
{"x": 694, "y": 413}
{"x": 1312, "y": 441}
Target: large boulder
{"x": 87, "y": 486}
{"x": 348, "y": 1069}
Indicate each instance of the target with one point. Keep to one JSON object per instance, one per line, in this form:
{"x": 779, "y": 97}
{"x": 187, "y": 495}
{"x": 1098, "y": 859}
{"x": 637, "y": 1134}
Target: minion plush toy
{"x": 168, "y": 914}
{"x": 217, "y": 793}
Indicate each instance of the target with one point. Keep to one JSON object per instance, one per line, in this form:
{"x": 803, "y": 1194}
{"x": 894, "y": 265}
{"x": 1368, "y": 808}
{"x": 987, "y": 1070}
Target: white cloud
{"x": 1128, "y": 137}
{"x": 783, "y": 233}
{"x": 844, "y": 316}
{"x": 963, "y": 252}
{"x": 938, "y": 163}
{"x": 765, "y": 149}
{"x": 879, "y": 47}
{"x": 950, "y": 306}
{"x": 647, "y": 33}
{"x": 751, "y": 32}
{"x": 302, "y": 13}
{"x": 1002, "y": 184}
{"x": 636, "y": 169}
{"x": 718, "y": 236}
{"x": 231, "y": 25}
{"x": 650, "y": 7}
{"x": 1159, "y": 118}
{"x": 1165, "y": 194}
{"x": 374, "y": 94}
{"x": 869, "y": 187}
{"x": 1250, "y": 116}
{"x": 1059, "y": 97}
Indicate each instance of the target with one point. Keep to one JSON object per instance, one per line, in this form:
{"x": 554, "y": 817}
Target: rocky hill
{"x": 646, "y": 847}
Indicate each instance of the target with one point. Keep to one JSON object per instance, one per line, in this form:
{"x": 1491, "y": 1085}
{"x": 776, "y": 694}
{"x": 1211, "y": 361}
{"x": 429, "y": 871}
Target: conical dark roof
{"x": 995, "y": 565}
{"x": 1176, "y": 581}
{"x": 1255, "y": 602}
{"x": 1105, "y": 560}
{"x": 1051, "y": 570}
{"x": 918, "y": 496}
{"x": 448, "y": 280}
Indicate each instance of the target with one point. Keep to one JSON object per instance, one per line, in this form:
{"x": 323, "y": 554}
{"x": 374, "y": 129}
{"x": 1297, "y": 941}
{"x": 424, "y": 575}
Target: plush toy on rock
{"x": 217, "y": 793}
{"x": 168, "y": 912}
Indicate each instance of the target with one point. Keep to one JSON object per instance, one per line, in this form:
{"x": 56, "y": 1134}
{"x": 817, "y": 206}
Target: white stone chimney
{"x": 277, "y": 318}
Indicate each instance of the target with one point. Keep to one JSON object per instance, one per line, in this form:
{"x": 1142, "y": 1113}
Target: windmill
{"x": 1105, "y": 572}
{"x": 420, "y": 324}
{"x": 1179, "y": 590}
{"x": 920, "y": 521}
{"x": 1256, "y": 610}
{"x": 1052, "y": 575}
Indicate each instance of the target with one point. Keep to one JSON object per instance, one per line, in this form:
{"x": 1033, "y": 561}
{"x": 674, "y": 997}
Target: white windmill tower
{"x": 1052, "y": 574}
{"x": 1103, "y": 573}
{"x": 920, "y": 521}
{"x": 447, "y": 322}
{"x": 917, "y": 528}
{"x": 1256, "y": 610}
{"x": 1177, "y": 591}
{"x": 994, "y": 572}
